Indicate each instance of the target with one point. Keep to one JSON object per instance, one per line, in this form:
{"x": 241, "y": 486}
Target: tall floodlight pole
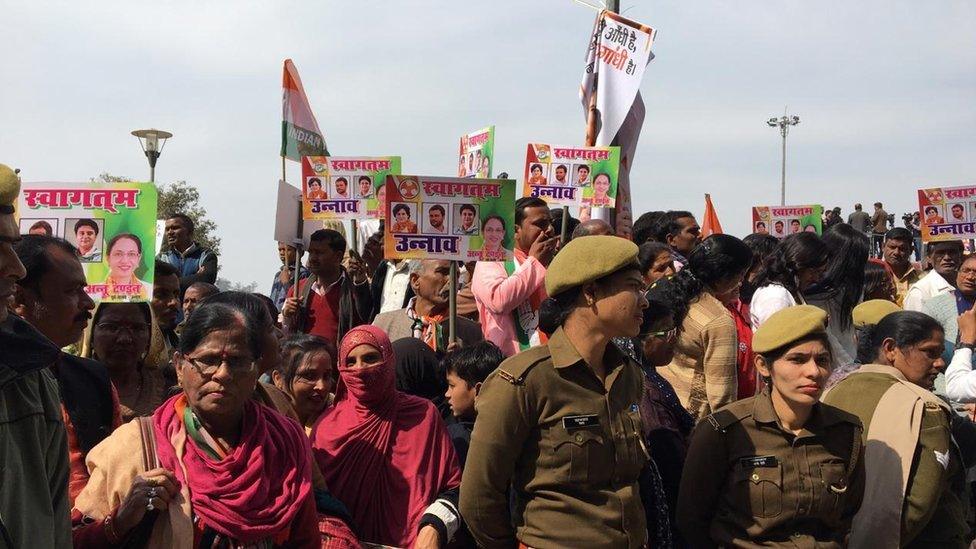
{"x": 784, "y": 124}
{"x": 152, "y": 142}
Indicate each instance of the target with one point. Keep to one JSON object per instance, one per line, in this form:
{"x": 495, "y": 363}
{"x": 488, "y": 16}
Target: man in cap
{"x": 545, "y": 408}
{"x": 34, "y": 453}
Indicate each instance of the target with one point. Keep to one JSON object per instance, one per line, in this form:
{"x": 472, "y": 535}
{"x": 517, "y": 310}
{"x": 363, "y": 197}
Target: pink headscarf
{"x": 385, "y": 454}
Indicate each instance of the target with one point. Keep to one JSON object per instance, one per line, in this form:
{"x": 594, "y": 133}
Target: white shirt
{"x": 367, "y": 227}
{"x": 925, "y": 289}
{"x": 395, "y": 286}
{"x": 766, "y": 301}
{"x": 960, "y": 378}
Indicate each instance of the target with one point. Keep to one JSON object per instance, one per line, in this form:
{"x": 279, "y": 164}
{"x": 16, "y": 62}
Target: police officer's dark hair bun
{"x": 906, "y": 328}
{"x": 554, "y": 311}
{"x": 866, "y": 351}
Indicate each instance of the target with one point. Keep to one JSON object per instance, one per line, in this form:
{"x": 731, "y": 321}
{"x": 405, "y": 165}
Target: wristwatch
{"x": 970, "y": 346}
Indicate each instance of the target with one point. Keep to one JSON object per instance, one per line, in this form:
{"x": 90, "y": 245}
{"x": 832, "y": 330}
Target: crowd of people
{"x": 662, "y": 390}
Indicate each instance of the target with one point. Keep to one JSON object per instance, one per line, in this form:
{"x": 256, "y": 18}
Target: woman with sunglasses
{"x": 231, "y": 472}
{"x": 667, "y": 425}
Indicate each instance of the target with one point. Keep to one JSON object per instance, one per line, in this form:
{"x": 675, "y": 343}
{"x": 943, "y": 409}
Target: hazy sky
{"x": 884, "y": 89}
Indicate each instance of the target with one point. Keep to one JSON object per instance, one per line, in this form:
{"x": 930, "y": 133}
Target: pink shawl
{"x": 385, "y": 454}
{"x": 256, "y": 491}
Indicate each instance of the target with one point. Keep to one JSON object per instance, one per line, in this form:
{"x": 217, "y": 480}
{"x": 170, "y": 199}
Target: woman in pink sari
{"x": 385, "y": 454}
{"x": 228, "y": 472}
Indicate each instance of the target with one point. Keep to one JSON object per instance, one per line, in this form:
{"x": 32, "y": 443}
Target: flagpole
{"x": 452, "y": 305}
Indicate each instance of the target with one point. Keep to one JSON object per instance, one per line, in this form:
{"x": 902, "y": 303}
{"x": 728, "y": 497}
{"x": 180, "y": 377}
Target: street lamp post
{"x": 152, "y": 142}
{"x": 784, "y": 124}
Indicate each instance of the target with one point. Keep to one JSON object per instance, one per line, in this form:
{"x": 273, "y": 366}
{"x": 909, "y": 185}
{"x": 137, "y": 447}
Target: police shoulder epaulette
{"x": 722, "y": 419}
{"x": 514, "y": 369}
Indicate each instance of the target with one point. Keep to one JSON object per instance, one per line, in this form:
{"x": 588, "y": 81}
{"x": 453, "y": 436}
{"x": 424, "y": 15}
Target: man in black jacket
{"x": 331, "y": 300}
{"x": 52, "y": 298}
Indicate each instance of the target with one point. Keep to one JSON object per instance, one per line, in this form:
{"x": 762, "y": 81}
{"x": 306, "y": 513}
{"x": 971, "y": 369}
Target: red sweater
{"x": 323, "y": 312}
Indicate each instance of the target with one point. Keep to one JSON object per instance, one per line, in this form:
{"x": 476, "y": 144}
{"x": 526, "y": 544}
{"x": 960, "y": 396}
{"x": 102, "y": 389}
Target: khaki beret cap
{"x": 9, "y": 189}
{"x": 871, "y": 312}
{"x": 586, "y": 259}
{"x": 789, "y": 325}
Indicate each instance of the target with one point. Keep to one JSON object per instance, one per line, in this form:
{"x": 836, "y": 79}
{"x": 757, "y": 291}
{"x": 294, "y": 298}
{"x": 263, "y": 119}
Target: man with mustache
{"x": 425, "y": 316}
{"x": 34, "y": 502}
{"x": 945, "y": 258}
{"x": 52, "y": 298}
{"x": 166, "y": 305}
{"x": 333, "y": 299}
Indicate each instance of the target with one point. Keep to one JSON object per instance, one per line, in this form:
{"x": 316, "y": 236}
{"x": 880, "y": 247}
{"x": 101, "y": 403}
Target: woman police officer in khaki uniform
{"x": 560, "y": 423}
{"x": 780, "y": 469}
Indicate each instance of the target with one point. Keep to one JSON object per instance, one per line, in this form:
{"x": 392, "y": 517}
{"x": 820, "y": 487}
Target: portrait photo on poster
{"x": 436, "y": 218}
{"x": 87, "y": 235}
{"x": 957, "y": 212}
{"x": 933, "y": 214}
{"x": 466, "y": 219}
{"x": 314, "y": 190}
{"x": 340, "y": 187}
{"x": 537, "y": 174}
{"x": 404, "y": 214}
{"x": 41, "y": 226}
{"x": 581, "y": 175}
{"x": 559, "y": 175}
{"x": 364, "y": 186}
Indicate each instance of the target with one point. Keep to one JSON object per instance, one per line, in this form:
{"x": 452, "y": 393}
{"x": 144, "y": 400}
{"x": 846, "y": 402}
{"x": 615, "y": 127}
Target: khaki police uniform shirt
{"x": 568, "y": 443}
{"x": 748, "y": 482}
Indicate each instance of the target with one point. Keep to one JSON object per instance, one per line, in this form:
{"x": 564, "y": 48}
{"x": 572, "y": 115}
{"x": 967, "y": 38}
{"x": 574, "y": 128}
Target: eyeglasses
{"x": 111, "y": 328}
{"x": 208, "y": 366}
{"x": 669, "y": 335}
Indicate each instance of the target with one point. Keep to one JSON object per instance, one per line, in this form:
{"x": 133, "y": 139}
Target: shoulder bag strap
{"x": 150, "y": 459}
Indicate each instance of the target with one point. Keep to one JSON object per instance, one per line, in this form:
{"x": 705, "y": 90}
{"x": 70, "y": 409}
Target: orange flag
{"x": 710, "y": 223}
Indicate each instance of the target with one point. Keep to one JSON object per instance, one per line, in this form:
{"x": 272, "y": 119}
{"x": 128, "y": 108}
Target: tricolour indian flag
{"x": 300, "y": 134}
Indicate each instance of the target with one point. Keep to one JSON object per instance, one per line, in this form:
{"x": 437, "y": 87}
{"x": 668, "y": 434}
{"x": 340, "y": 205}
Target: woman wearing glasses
{"x": 124, "y": 259}
{"x": 667, "y": 425}
{"x": 120, "y": 339}
{"x": 231, "y": 472}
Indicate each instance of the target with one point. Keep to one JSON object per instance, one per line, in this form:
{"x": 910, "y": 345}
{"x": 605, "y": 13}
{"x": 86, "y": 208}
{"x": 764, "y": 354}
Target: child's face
{"x": 461, "y": 396}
